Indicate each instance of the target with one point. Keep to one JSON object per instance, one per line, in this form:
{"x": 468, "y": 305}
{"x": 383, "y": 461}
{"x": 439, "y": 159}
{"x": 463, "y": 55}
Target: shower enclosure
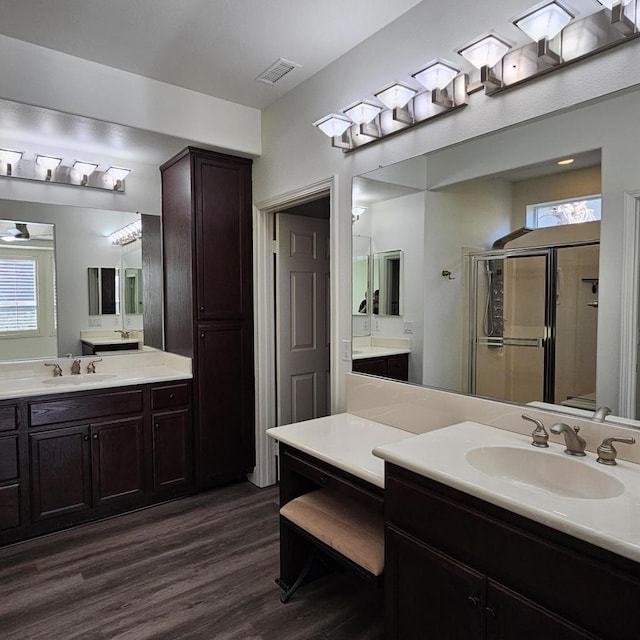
{"x": 534, "y": 320}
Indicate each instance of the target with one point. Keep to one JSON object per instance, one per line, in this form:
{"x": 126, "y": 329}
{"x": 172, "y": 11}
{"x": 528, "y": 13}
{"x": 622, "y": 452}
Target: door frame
{"x": 630, "y": 298}
{"x": 264, "y": 327}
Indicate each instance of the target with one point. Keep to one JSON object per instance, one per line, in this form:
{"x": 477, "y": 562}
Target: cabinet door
{"x": 428, "y": 594}
{"x": 117, "y": 460}
{"x": 172, "y": 451}
{"x": 513, "y": 617}
{"x": 373, "y": 366}
{"x": 223, "y": 238}
{"x": 225, "y": 402}
{"x": 60, "y": 472}
{"x": 398, "y": 367}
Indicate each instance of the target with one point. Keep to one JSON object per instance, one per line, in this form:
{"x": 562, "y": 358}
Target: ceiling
{"x": 215, "y": 47}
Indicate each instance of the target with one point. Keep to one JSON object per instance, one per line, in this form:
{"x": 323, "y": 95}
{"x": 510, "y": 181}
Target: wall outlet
{"x": 376, "y": 325}
{"x": 346, "y": 350}
{"x": 95, "y": 321}
{"x": 408, "y": 327}
{"x": 365, "y": 325}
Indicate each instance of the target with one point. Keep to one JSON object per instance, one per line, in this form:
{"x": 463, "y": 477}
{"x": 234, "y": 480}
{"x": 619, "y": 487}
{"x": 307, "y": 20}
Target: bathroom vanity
{"x": 77, "y": 448}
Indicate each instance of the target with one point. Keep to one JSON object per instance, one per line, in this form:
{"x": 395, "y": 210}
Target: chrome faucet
{"x": 125, "y": 335}
{"x": 75, "y": 367}
{"x": 57, "y": 371}
{"x": 91, "y": 367}
{"x": 539, "y": 435}
{"x": 607, "y": 452}
{"x": 601, "y": 413}
{"x": 575, "y": 443}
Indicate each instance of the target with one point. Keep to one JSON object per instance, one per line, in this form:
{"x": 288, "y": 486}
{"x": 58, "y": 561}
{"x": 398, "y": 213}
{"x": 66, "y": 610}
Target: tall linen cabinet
{"x": 207, "y": 247}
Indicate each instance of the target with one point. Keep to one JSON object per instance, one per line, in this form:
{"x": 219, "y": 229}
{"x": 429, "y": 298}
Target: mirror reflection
{"x": 499, "y": 295}
{"x": 387, "y": 278}
{"x": 104, "y": 288}
{"x": 81, "y": 243}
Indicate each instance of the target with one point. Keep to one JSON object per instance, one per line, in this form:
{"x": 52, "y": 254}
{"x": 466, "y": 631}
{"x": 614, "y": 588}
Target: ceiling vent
{"x": 277, "y": 70}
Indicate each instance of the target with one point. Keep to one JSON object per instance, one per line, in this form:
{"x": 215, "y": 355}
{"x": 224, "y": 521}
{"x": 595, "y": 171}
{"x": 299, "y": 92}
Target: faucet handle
{"x": 607, "y": 452}
{"x": 91, "y": 367}
{"x": 57, "y": 370}
{"x": 539, "y": 435}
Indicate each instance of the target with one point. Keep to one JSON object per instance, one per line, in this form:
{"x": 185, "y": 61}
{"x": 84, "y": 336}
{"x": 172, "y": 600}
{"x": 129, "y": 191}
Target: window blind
{"x": 18, "y": 295}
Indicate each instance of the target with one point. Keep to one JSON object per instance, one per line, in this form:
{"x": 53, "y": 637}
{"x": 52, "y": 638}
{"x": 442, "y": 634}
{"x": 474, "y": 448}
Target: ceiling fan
{"x": 20, "y": 233}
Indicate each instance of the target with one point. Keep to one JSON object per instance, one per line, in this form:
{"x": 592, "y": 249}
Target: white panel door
{"x": 302, "y": 318}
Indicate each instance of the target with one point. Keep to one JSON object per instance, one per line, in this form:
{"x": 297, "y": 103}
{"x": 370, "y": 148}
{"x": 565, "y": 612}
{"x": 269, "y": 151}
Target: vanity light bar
{"x": 557, "y": 40}
{"x": 127, "y": 234}
{"x": 45, "y": 168}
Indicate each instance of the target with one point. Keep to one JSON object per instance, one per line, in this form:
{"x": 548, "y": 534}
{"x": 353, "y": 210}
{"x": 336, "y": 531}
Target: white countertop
{"x": 611, "y": 523}
{"x": 344, "y": 441}
{"x": 96, "y": 342}
{"x": 374, "y": 351}
{"x": 32, "y": 378}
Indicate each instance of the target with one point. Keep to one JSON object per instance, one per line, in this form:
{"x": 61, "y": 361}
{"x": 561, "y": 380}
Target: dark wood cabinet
{"x": 117, "y": 460}
{"x": 207, "y": 248}
{"x": 60, "y": 472}
{"x": 395, "y": 367}
{"x": 457, "y": 567}
{"x": 73, "y": 457}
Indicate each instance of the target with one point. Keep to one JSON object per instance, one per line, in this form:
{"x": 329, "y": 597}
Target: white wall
{"x": 399, "y": 224}
{"x": 296, "y": 154}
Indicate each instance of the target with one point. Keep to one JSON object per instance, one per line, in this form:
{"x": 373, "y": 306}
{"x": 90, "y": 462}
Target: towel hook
{"x": 447, "y": 274}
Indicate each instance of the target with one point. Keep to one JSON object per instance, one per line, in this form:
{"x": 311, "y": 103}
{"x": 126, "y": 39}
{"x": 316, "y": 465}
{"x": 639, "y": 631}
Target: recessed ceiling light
{"x": 566, "y": 161}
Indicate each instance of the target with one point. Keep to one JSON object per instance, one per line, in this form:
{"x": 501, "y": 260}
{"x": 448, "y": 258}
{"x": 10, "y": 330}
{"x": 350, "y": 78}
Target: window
{"x": 18, "y": 295}
{"x": 561, "y": 212}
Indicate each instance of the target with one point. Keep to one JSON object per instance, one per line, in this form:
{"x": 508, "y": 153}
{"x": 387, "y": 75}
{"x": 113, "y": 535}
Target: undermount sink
{"x": 83, "y": 378}
{"x": 549, "y": 472}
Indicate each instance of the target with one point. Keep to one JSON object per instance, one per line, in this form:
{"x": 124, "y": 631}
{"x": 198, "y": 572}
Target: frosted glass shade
{"x": 436, "y": 75}
{"x": 10, "y": 157}
{"x": 544, "y": 23}
{"x": 118, "y": 173}
{"x": 85, "y": 168}
{"x": 486, "y": 52}
{"x": 333, "y": 125}
{"x": 363, "y": 112}
{"x": 396, "y": 96}
{"x": 48, "y": 162}
{"x": 609, "y": 3}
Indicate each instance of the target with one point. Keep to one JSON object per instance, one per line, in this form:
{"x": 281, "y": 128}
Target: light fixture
{"x": 484, "y": 54}
{"x": 544, "y": 24}
{"x": 85, "y": 168}
{"x": 10, "y": 158}
{"x": 127, "y": 234}
{"x": 118, "y": 174}
{"x": 566, "y": 161}
{"x": 364, "y": 113}
{"x": 619, "y": 16}
{"x": 396, "y": 97}
{"x": 333, "y": 125}
{"x": 356, "y": 212}
{"x": 49, "y": 163}
{"x": 435, "y": 77}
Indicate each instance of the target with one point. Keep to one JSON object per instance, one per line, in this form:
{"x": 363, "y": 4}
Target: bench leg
{"x": 303, "y": 574}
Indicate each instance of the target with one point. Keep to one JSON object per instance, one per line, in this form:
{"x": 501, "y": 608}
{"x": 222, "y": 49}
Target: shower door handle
{"x": 523, "y": 342}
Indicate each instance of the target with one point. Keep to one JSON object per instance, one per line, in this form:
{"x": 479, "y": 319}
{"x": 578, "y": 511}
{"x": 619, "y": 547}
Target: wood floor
{"x": 201, "y": 568}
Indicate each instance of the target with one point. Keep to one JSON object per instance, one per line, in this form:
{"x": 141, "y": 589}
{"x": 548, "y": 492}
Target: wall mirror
{"x": 466, "y": 256}
{"x": 104, "y": 291}
{"x": 81, "y": 242}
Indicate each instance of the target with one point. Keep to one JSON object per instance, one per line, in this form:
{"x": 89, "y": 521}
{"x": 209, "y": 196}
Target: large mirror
{"x": 83, "y": 254}
{"x": 502, "y": 272}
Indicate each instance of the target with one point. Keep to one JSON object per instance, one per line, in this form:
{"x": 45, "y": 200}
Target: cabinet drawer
{"x": 9, "y": 506}
{"x": 8, "y": 417}
{"x": 8, "y": 458}
{"x": 175, "y": 395}
{"x": 325, "y": 477}
{"x": 85, "y": 407}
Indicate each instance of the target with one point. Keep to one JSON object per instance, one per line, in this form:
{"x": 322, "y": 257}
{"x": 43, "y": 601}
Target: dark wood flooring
{"x": 201, "y": 568}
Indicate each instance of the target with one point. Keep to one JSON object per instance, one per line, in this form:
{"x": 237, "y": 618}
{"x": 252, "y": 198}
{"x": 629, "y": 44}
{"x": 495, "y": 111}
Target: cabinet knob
{"x": 323, "y": 480}
{"x": 171, "y": 396}
{"x": 201, "y": 308}
{"x": 95, "y": 436}
{"x": 474, "y": 601}
{"x": 156, "y": 426}
{"x": 85, "y": 438}
{"x": 202, "y": 335}
{"x": 490, "y": 612}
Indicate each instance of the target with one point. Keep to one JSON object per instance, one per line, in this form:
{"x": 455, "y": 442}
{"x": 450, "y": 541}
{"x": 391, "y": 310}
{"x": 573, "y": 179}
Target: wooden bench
{"x": 340, "y": 527}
